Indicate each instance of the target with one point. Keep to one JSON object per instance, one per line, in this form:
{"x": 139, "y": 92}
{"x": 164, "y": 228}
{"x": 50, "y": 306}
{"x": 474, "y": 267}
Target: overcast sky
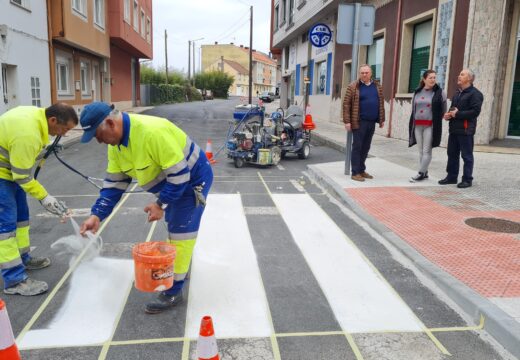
{"x": 224, "y": 21}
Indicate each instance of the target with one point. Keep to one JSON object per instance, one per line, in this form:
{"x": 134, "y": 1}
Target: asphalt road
{"x": 344, "y": 294}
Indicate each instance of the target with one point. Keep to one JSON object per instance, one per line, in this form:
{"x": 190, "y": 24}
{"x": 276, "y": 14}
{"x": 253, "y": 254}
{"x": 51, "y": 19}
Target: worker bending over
{"x": 165, "y": 162}
{"x": 24, "y": 132}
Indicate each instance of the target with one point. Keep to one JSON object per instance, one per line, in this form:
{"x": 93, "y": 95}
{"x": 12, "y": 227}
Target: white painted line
{"x": 297, "y": 185}
{"x": 280, "y": 167}
{"x": 385, "y": 174}
{"x": 97, "y": 293}
{"x": 361, "y": 300}
{"x": 225, "y": 281}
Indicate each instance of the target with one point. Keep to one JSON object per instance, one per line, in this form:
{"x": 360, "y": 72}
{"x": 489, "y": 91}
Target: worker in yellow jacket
{"x": 165, "y": 162}
{"x": 24, "y": 132}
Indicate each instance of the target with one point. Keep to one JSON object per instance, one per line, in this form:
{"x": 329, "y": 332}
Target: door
{"x": 96, "y": 83}
{"x": 513, "y": 128}
{"x": 9, "y": 88}
{"x": 5, "y": 93}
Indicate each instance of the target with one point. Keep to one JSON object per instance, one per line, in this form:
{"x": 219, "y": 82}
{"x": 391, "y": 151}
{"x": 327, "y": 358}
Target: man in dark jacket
{"x": 465, "y": 108}
{"x": 363, "y": 107}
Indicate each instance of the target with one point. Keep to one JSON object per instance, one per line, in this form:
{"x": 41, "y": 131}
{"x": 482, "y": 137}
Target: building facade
{"x": 264, "y": 67}
{"x": 24, "y": 38}
{"x": 240, "y": 86}
{"x": 130, "y": 29}
{"x": 80, "y": 51}
{"x": 409, "y": 37}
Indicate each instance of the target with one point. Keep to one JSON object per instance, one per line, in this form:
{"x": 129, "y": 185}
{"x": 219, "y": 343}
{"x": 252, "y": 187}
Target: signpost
{"x": 356, "y": 27}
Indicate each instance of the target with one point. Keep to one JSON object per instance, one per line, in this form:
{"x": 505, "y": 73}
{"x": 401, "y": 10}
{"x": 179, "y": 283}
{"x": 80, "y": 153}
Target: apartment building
{"x": 409, "y": 37}
{"x": 264, "y": 67}
{"x": 24, "y": 39}
{"x": 240, "y": 86}
{"x": 130, "y": 29}
{"x": 79, "y": 51}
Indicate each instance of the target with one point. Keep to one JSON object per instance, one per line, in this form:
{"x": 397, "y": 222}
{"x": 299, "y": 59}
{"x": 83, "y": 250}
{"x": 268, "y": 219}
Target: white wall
{"x": 25, "y": 48}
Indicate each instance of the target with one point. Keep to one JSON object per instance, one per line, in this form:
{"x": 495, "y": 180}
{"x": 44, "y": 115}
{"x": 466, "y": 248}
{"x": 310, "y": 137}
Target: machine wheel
{"x": 305, "y": 151}
{"x": 276, "y": 155}
{"x": 239, "y": 162}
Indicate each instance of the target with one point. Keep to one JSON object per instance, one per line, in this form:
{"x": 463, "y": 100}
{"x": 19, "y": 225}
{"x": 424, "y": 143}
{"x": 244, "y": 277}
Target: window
{"x": 148, "y": 29}
{"x": 80, "y": 7}
{"x": 375, "y": 54}
{"x": 420, "y": 58}
{"x": 291, "y": 11}
{"x": 126, "y": 6}
{"x": 321, "y": 77}
{"x": 99, "y": 13}
{"x": 22, "y": 3}
{"x": 85, "y": 78}
{"x": 276, "y": 16}
{"x": 136, "y": 16}
{"x": 143, "y": 29}
{"x": 286, "y": 58}
{"x": 62, "y": 78}
{"x": 35, "y": 91}
{"x": 284, "y": 11}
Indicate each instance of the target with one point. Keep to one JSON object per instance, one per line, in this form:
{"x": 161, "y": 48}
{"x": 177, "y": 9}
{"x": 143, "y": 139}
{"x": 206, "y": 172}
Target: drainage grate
{"x": 494, "y": 224}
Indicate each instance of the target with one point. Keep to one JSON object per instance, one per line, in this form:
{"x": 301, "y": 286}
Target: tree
{"x": 216, "y": 81}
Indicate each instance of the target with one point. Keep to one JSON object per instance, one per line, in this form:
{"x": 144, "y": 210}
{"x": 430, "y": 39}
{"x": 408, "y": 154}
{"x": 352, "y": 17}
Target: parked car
{"x": 266, "y": 96}
{"x": 209, "y": 95}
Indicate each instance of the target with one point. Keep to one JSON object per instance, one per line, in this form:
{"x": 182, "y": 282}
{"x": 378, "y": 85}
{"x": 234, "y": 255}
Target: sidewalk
{"x": 475, "y": 261}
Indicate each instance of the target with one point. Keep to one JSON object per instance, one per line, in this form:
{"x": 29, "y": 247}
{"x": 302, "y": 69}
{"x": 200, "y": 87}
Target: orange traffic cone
{"x": 8, "y": 348}
{"x": 207, "y": 344}
{"x": 308, "y": 124}
{"x": 209, "y": 152}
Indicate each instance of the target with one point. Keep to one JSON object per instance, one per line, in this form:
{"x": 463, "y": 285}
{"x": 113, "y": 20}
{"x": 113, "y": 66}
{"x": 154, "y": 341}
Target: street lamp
{"x": 189, "y": 60}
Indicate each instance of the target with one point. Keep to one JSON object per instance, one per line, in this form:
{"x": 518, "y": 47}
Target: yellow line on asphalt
{"x": 106, "y": 345}
{"x": 65, "y": 276}
{"x": 480, "y": 326}
{"x": 353, "y": 346}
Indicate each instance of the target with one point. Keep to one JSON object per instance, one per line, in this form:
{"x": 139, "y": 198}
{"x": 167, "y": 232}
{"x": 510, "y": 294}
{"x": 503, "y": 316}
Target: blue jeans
{"x": 460, "y": 146}
{"x": 361, "y": 140}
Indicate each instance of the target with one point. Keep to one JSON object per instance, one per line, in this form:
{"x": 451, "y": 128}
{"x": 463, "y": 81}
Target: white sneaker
{"x": 28, "y": 287}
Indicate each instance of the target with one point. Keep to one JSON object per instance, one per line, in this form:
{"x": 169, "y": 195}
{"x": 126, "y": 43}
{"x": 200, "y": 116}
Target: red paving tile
{"x": 487, "y": 262}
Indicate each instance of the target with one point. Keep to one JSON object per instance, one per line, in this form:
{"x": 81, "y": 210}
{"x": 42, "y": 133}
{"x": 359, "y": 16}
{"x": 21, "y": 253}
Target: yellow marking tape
{"x": 65, "y": 276}
{"x": 353, "y": 346}
{"x": 106, "y": 345}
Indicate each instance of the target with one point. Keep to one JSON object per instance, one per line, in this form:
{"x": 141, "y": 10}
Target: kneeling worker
{"x": 24, "y": 132}
{"x": 165, "y": 162}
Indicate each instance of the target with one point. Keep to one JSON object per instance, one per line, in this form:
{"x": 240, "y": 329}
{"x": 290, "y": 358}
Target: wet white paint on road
{"x": 225, "y": 280}
{"x": 96, "y": 295}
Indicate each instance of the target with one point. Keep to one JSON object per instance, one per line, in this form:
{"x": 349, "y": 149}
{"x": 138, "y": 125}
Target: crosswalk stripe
{"x": 360, "y": 298}
{"x": 93, "y": 302}
{"x": 225, "y": 280}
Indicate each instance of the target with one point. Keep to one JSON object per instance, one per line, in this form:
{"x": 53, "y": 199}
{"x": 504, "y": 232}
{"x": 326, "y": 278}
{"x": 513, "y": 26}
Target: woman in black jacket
{"x": 425, "y": 127}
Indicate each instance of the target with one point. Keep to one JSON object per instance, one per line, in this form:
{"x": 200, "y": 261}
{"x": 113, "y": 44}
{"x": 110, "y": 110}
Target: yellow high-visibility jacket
{"x": 23, "y": 135}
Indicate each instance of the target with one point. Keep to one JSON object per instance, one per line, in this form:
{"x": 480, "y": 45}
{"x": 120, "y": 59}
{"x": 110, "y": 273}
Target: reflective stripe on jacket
{"x": 159, "y": 156}
{"x": 24, "y": 134}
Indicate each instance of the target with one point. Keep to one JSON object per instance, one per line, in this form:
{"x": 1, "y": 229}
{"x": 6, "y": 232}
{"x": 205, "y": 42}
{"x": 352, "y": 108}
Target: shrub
{"x": 216, "y": 81}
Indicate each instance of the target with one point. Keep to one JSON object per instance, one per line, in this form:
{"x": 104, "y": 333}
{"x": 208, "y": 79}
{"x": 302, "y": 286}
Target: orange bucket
{"x": 153, "y": 264}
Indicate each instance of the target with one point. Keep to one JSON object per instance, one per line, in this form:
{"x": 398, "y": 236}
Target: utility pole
{"x": 251, "y": 58}
{"x": 166, "y": 53}
{"x": 189, "y": 61}
{"x": 193, "y": 50}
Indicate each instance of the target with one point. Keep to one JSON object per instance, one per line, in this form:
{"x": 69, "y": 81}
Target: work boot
{"x": 28, "y": 287}
{"x": 37, "y": 263}
{"x": 163, "y": 302}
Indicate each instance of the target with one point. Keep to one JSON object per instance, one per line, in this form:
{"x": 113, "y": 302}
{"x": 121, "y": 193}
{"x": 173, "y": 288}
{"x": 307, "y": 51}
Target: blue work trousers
{"x": 13, "y": 210}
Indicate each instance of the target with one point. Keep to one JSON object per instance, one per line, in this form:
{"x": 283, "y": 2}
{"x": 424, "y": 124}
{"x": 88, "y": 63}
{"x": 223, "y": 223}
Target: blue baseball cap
{"x": 91, "y": 116}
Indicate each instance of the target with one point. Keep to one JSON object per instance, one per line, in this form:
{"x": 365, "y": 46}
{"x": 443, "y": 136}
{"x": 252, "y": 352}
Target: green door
{"x": 513, "y": 128}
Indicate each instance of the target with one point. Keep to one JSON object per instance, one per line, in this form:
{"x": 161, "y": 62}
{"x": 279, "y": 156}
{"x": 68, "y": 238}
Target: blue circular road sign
{"x": 320, "y": 35}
